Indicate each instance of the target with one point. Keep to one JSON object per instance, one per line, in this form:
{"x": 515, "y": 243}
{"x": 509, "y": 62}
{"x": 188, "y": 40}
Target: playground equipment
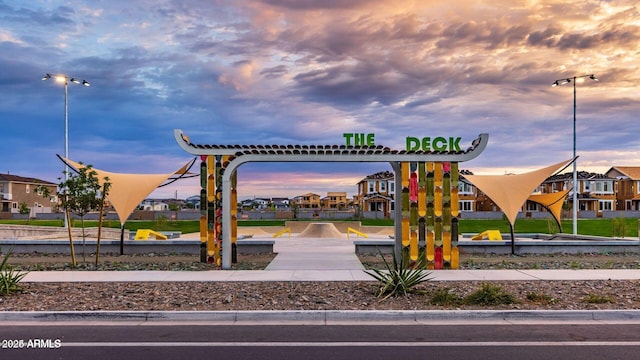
{"x": 358, "y": 233}
{"x": 143, "y": 234}
{"x": 488, "y": 235}
{"x": 282, "y": 232}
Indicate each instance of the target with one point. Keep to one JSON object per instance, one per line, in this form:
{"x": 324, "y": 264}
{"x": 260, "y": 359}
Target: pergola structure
{"x": 426, "y": 224}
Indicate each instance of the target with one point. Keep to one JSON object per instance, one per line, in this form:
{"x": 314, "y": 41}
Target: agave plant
{"x": 9, "y": 278}
{"x": 398, "y": 278}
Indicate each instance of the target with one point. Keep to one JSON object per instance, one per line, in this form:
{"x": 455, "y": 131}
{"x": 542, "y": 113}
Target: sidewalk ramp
{"x": 321, "y": 230}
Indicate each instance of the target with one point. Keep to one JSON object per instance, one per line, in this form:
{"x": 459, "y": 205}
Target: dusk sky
{"x": 305, "y": 72}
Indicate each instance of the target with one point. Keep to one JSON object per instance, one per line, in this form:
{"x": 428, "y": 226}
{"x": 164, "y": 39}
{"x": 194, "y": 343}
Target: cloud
{"x": 270, "y": 72}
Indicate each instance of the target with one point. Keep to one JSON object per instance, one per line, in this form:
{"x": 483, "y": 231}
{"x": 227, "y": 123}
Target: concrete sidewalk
{"x": 321, "y": 275}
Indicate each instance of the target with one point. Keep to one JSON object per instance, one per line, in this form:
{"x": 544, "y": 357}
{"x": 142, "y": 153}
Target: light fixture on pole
{"x": 575, "y": 160}
{"x": 65, "y": 80}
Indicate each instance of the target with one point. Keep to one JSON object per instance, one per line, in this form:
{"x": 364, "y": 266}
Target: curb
{"x": 326, "y": 317}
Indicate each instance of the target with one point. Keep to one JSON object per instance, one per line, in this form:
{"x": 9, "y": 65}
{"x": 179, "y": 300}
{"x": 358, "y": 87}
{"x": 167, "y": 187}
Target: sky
{"x": 306, "y": 72}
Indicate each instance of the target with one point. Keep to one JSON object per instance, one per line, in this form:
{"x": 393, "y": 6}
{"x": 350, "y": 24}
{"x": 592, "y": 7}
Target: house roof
{"x": 16, "y": 178}
{"x": 377, "y": 196}
{"x": 632, "y": 172}
{"x": 388, "y": 175}
{"x": 382, "y": 175}
{"x": 582, "y": 175}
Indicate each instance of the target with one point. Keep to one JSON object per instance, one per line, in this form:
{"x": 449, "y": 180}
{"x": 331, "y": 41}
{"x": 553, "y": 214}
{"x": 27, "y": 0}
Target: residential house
{"x": 334, "y": 200}
{"x": 16, "y": 190}
{"x": 193, "y": 201}
{"x": 280, "y": 203}
{"x": 628, "y": 191}
{"x": 376, "y": 192}
{"x": 469, "y": 198}
{"x": 596, "y": 192}
{"x": 261, "y": 203}
{"x": 307, "y": 201}
{"x": 153, "y": 205}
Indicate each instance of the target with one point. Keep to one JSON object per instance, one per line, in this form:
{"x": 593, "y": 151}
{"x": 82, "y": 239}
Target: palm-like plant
{"x": 399, "y": 278}
{"x": 9, "y": 278}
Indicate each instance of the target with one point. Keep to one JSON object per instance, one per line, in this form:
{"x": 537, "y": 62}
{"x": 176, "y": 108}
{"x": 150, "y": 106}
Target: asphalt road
{"x": 171, "y": 340}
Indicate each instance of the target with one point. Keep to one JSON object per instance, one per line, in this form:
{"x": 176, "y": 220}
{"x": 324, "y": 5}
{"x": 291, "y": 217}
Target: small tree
{"x": 24, "y": 209}
{"x": 80, "y": 194}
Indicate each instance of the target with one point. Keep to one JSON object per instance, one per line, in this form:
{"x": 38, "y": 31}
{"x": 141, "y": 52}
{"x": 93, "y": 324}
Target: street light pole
{"x": 65, "y": 80}
{"x": 575, "y": 160}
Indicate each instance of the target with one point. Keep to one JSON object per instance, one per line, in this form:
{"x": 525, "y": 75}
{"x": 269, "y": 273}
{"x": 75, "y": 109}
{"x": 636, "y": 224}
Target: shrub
{"x": 489, "y": 295}
{"x": 444, "y": 297}
{"x": 597, "y": 299}
{"x": 540, "y": 298}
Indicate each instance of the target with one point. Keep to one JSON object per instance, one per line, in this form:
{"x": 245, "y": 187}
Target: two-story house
{"x": 628, "y": 190}
{"x": 334, "y": 200}
{"x": 280, "y": 203}
{"x": 307, "y": 201}
{"x": 16, "y": 190}
{"x": 596, "y": 192}
{"x": 468, "y": 199}
{"x": 376, "y": 192}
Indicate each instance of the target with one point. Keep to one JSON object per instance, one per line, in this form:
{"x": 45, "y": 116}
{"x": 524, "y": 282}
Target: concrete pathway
{"x": 321, "y": 275}
{"x": 314, "y": 254}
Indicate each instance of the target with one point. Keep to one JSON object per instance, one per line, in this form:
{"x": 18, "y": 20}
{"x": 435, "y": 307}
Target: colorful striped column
{"x": 429, "y": 213}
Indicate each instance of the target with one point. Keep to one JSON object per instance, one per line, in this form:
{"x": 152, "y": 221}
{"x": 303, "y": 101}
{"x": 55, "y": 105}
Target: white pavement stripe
{"x": 354, "y": 344}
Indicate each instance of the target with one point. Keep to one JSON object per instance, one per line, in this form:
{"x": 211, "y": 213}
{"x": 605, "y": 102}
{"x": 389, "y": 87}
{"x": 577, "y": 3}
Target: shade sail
{"x": 127, "y": 190}
{"x": 552, "y": 201}
{"x": 510, "y": 192}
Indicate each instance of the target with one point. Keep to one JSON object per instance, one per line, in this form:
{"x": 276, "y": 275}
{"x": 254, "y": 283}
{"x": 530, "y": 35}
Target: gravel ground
{"x": 566, "y": 295}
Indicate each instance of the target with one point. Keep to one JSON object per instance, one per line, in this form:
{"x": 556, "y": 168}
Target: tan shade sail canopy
{"x": 128, "y": 190}
{"x": 552, "y": 201}
{"x": 510, "y": 192}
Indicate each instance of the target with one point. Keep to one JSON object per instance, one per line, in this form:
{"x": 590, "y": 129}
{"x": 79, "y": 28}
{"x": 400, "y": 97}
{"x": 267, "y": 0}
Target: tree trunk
{"x": 73, "y": 252}
{"x": 84, "y": 255}
{"x": 99, "y": 230}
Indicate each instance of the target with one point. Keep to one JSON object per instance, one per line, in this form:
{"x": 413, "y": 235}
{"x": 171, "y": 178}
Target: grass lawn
{"x": 595, "y": 227}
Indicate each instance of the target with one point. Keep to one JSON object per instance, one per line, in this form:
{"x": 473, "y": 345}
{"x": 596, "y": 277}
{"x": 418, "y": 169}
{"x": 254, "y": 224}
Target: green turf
{"x": 595, "y": 227}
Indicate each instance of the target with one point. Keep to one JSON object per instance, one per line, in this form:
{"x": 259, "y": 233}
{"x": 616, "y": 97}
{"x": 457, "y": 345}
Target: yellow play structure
{"x": 488, "y": 235}
{"x": 143, "y": 234}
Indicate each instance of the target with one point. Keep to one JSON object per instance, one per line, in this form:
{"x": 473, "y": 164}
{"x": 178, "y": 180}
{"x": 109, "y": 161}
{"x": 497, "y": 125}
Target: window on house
{"x": 638, "y": 186}
{"x": 464, "y": 188}
{"x": 466, "y": 205}
{"x": 392, "y": 187}
{"x": 605, "y": 205}
{"x": 371, "y": 186}
{"x": 587, "y": 186}
{"x": 27, "y": 189}
{"x": 383, "y": 186}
